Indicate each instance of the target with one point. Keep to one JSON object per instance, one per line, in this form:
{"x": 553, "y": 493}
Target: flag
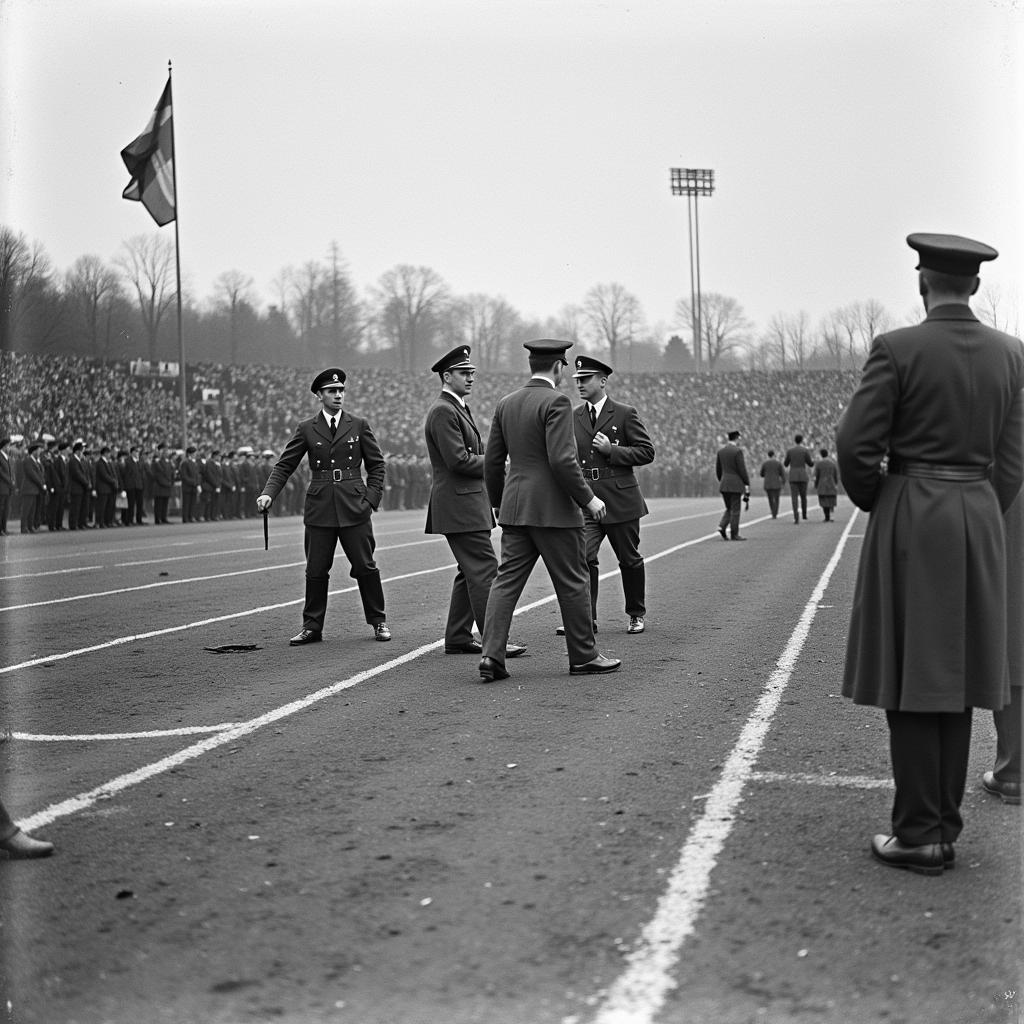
{"x": 150, "y": 162}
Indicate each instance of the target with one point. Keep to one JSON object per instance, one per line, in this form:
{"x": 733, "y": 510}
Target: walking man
{"x": 538, "y": 507}
{"x": 798, "y": 461}
{"x": 458, "y": 507}
{"x": 734, "y": 485}
{"x": 774, "y": 475}
{"x": 339, "y": 503}
{"x": 928, "y": 628}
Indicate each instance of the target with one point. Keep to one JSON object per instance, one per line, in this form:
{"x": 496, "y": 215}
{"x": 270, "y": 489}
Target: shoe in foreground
{"x": 1008, "y": 792}
{"x": 306, "y": 636}
{"x": 21, "y": 846}
{"x": 491, "y": 670}
{"x": 923, "y": 860}
{"x": 475, "y": 647}
{"x": 381, "y": 632}
{"x": 598, "y": 665}
{"x": 560, "y": 630}
{"x": 636, "y": 624}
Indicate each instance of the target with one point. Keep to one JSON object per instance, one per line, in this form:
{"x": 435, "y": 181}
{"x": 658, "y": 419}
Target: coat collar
{"x": 344, "y": 426}
{"x": 952, "y": 311}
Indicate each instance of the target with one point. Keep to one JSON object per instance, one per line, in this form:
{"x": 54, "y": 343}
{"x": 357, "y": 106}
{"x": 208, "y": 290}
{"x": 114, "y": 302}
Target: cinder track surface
{"x": 364, "y": 833}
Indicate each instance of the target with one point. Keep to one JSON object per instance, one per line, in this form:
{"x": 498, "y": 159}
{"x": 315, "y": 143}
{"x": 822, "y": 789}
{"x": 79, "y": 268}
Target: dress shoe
{"x": 491, "y": 670}
{"x": 924, "y": 860}
{"x": 948, "y": 856}
{"x": 1008, "y": 792}
{"x": 22, "y": 846}
{"x": 381, "y": 631}
{"x": 636, "y": 624}
{"x": 721, "y": 533}
{"x": 560, "y": 630}
{"x": 599, "y": 664}
{"x": 472, "y": 647}
{"x": 306, "y": 636}
{"x": 737, "y": 537}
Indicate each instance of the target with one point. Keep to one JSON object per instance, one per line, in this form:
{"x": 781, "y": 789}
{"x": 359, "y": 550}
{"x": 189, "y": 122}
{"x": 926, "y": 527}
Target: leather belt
{"x": 337, "y": 475}
{"x": 604, "y": 474}
{"x": 938, "y": 470}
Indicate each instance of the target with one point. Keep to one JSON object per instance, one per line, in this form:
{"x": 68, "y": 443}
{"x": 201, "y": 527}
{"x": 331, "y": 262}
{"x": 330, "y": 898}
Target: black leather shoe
{"x": 307, "y": 636}
{"x": 22, "y": 846}
{"x": 491, "y": 670}
{"x": 948, "y": 856}
{"x": 721, "y": 533}
{"x": 737, "y": 537}
{"x": 381, "y": 632}
{"x": 473, "y": 647}
{"x": 560, "y": 630}
{"x": 599, "y": 664}
{"x": 1008, "y": 792}
{"x": 923, "y": 860}
{"x": 636, "y": 624}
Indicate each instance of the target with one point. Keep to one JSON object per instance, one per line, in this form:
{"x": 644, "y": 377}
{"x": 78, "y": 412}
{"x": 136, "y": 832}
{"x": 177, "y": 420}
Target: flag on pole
{"x": 150, "y": 162}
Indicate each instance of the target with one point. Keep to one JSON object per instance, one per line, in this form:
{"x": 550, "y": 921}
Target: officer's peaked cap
{"x": 950, "y": 254}
{"x": 457, "y": 359}
{"x": 326, "y": 378}
{"x": 587, "y": 365}
{"x": 548, "y": 347}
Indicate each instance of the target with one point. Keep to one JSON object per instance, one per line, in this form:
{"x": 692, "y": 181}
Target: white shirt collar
{"x": 458, "y": 398}
{"x": 540, "y": 376}
{"x": 598, "y": 406}
{"x": 329, "y": 416}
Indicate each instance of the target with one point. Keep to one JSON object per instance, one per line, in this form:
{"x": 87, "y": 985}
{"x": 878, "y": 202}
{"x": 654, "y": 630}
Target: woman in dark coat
{"x": 826, "y": 483}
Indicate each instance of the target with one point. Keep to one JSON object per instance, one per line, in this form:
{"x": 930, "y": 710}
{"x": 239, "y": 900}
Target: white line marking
{"x": 50, "y": 572}
{"x": 189, "y": 730}
{"x": 639, "y": 993}
{"x": 50, "y": 814}
{"x": 828, "y": 781}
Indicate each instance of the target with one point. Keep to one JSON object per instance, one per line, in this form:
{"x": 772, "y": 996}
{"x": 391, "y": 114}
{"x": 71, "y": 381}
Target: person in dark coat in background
{"x": 163, "y": 483}
{"x": 798, "y": 461}
{"x": 338, "y": 506}
{"x": 79, "y": 486}
{"x": 32, "y": 488}
{"x": 458, "y": 506}
{"x": 6, "y": 484}
{"x": 943, "y": 403}
{"x": 538, "y": 505}
{"x": 826, "y": 483}
{"x": 774, "y": 475}
{"x": 191, "y": 488}
{"x": 106, "y": 488}
{"x": 734, "y": 485}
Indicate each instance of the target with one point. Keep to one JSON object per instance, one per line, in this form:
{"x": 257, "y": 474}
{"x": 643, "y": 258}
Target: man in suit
{"x": 33, "y": 488}
{"x": 57, "y": 485}
{"x": 106, "y": 488}
{"x": 734, "y": 485}
{"x": 212, "y": 478}
{"x": 6, "y": 484}
{"x": 133, "y": 486}
{"x": 79, "y": 488}
{"x": 188, "y": 472}
{"x": 774, "y": 475}
{"x": 163, "y": 484}
{"x": 942, "y": 402}
{"x": 458, "y": 507}
{"x": 339, "y": 503}
{"x": 798, "y": 461}
{"x": 538, "y": 507}
{"x": 610, "y": 440}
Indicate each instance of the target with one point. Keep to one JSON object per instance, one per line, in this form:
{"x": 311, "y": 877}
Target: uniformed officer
{"x": 734, "y": 484}
{"x": 339, "y": 503}
{"x": 798, "y": 461}
{"x": 458, "y": 506}
{"x": 610, "y": 440}
{"x": 538, "y": 503}
{"x": 943, "y": 402}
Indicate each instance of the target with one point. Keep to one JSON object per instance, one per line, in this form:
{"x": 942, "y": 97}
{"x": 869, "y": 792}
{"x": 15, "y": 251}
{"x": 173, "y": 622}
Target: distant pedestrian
{"x": 774, "y": 475}
{"x": 733, "y": 484}
{"x": 798, "y": 461}
{"x": 826, "y": 483}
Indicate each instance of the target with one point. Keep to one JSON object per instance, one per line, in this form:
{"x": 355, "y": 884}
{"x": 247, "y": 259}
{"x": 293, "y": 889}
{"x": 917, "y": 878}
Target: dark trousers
{"x": 135, "y": 505}
{"x": 5, "y": 504}
{"x": 188, "y": 504}
{"x": 773, "y": 500}
{"x": 478, "y": 566}
{"x": 55, "y": 510}
{"x": 29, "y": 510}
{"x": 625, "y": 541}
{"x": 77, "y": 509}
{"x": 798, "y": 492}
{"x": 105, "y": 508}
{"x": 731, "y": 515}
{"x": 358, "y": 544}
{"x": 929, "y": 753}
{"x": 160, "y": 503}
{"x": 564, "y": 556}
{"x": 1008, "y": 737}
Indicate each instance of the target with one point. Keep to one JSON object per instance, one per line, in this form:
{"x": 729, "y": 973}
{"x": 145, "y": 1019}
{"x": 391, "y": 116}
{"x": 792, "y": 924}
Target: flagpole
{"x": 177, "y": 269}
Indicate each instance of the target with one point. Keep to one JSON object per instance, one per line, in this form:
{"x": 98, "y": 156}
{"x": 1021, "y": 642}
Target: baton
{"x": 266, "y": 531}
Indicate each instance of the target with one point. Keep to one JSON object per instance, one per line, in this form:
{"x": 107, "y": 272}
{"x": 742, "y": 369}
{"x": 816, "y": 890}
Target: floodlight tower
{"x": 693, "y": 182}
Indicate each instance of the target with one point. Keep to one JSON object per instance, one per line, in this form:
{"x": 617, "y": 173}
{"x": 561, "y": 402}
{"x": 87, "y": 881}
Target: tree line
{"x": 125, "y": 308}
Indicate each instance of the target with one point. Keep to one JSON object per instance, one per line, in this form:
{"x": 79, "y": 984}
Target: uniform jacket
{"x": 189, "y": 473}
{"x": 6, "y": 475}
{"x": 133, "y": 475}
{"x": 57, "y": 474}
{"x": 826, "y": 476}
{"x": 544, "y": 485}
{"x": 212, "y": 475}
{"x": 33, "y": 478}
{"x": 163, "y": 477}
{"x": 928, "y": 629}
{"x": 798, "y": 460}
{"x": 79, "y": 477}
{"x": 458, "y": 499}
{"x": 774, "y": 475}
{"x": 731, "y": 469}
{"x": 631, "y": 446}
{"x": 328, "y": 503}
{"x": 106, "y": 476}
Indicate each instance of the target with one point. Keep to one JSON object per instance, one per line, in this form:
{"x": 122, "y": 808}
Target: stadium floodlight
{"x": 693, "y": 182}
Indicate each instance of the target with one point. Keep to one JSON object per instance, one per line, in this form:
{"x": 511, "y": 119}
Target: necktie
{"x": 334, "y": 426}
{"x": 593, "y": 416}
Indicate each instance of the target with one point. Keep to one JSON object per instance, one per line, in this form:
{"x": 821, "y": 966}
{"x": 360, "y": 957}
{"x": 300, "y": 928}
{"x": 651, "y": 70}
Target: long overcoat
{"x": 928, "y": 628}
{"x": 330, "y": 503}
{"x": 545, "y": 485}
{"x": 826, "y": 481}
{"x": 631, "y": 446}
{"x": 458, "y": 499}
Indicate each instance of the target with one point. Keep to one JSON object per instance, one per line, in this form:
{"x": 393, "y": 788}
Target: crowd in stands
{"x": 66, "y": 398}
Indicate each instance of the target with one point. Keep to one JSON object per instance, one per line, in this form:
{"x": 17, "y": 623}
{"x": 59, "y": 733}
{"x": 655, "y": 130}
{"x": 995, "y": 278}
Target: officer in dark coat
{"x": 734, "y": 484}
{"x": 942, "y": 402}
{"x": 458, "y": 506}
{"x": 79, "y": 486}
{"x": 33, "y": 488}
{"x": 774, "y": 475}
{"x": 163, "y": 484}
{"x": 798, "y": 461}
{"x": 539, "y": 503}
{"x": 191, "y": 487}
{"x": 339, "y": 503}
{"x": 610, "y": 440}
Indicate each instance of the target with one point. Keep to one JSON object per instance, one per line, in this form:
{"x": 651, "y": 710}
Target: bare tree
{"x": 798, "y": 334}
{"x": 614, "y": 316}
{"x": 724, "y": 326}
{"x": 91, "y": 288}
{"x": 147, "y": 262}
{"x": 489, "y": 326}
{"x": 409, "y": 305}
{"x": 29, "y": 310}
{"x": 830, "y": 330}
{"x": 996, "y": 311}
{"x": 233, "y": 291}
{"x": 347, "y": 319}
{"x": 776, "y": 340}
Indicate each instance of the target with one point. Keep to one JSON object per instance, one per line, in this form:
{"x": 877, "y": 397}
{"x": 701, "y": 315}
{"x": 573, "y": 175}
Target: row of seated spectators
{"x": 687, "y": 414}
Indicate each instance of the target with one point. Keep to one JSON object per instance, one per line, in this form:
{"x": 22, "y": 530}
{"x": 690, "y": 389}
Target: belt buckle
{"x": 595, "y": 474}
{"x": 337, "y": 475}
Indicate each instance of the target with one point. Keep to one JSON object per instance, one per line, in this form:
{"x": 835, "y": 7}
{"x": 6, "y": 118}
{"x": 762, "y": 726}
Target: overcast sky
{"x": 521, "y": 148}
